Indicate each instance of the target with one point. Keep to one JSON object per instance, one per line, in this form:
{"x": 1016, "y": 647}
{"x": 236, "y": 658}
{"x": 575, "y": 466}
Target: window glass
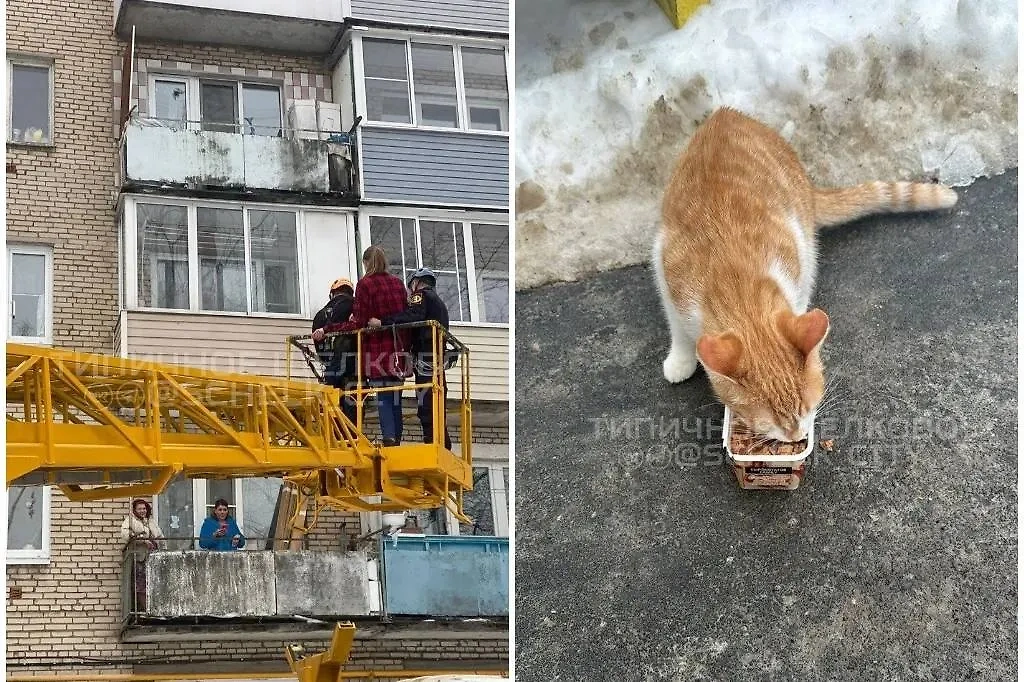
{"x": 259, "y": 500}
{"x": 28, "y": 295}
{"x": 163, "y": 256}
{"x": 169, "y": 102}
{"x": 442, "y": 248}
{"x": 175, "y": 512}
{"x": 433, "y": 75}
{"x": 483, "y": 73}
{"x": 221, "y": 259}
{"x": 261, "y": 110}
{"x": 275, "y": 261}
{"x": 30, "y": 103}
{"x": 397, "y": 236}
{"x": 477, "y": 505}
{"x": 219, "y": 106}
{"x": 491, "y": 260}
{"x": 25, "y": 513}
{"x": 387, "y": 81}
{"x": 221, "y": 489}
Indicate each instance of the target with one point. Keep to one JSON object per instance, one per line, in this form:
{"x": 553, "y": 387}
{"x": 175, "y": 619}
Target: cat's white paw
{"x": 679, "y": 366}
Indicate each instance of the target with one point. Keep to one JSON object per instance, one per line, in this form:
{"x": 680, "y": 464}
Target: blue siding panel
{"x": 490, "y": 16}
{"x": 426, "y": 166}
{"x": 441, "y": 575}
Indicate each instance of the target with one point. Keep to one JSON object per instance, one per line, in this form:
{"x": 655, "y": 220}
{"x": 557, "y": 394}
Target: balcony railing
{"x": 230, "y": 157}
{"x": 410, "y": 575}
{"x": 250, "y": 583}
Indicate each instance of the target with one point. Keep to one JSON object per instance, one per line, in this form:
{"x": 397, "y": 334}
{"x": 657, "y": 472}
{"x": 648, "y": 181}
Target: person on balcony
{"x": 140, "y": 532}
{"x": 424, "y": 304}
{"x": 220, "y": 533}
{"x": 384, "y": 353}
{"x": 339, "y": 353}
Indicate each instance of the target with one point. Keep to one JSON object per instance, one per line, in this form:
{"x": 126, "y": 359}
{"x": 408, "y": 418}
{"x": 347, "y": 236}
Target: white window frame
{"x": 129, "y": 231}
{"x": 193, "y": 100}
{"x": 468, "y": 269}
{"x": 32, "y": 250}
{"x": 34, "y": 556}
{"x": 38, "y": 62}
{"x": 460, "y": 85}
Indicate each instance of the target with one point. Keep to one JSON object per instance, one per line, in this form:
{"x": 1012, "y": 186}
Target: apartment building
{"x": 184, "y": 179}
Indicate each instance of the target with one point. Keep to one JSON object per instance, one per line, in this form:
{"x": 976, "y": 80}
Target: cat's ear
{"x": 806, "y": 331}
{"x": 720, "y": 354}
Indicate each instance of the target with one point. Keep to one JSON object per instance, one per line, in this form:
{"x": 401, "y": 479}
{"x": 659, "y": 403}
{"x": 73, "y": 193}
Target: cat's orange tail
{"x": 835, "y": 206}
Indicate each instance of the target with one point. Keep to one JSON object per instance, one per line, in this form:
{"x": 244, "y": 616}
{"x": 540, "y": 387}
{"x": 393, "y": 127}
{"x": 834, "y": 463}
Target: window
{"x": 30, "y": 273}
{"x": 490, "y": 258}
{"x": 387, "y": 81}
{"x": 30, "y": 99}
{"x": 221, "y": 259}
{"x": 487, "y": 503}
{"x": 433, "y": 72}
{"x": 451, "y": 86}
{"x": 163, "y": 256}
{"x": 486, "y": 88}
{"x": 185, "y": 503}
{"x": 215, "y": 258}
{"x": 28, "y": 525}
{"x": 217, "y": 105}
{"x": 275, "y": 279}
{"x": 474, "y": 286}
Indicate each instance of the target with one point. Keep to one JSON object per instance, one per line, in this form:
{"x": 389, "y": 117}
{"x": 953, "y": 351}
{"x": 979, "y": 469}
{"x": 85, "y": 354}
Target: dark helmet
{"x": 425, "y": 274}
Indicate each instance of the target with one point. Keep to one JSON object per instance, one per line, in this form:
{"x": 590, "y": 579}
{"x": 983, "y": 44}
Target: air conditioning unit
{"x": 328, "y": 116}
{"x": 302, "y": 118}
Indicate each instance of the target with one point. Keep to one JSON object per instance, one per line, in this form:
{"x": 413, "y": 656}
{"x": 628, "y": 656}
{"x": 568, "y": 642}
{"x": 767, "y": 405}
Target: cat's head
{"x": 770, "y": 375}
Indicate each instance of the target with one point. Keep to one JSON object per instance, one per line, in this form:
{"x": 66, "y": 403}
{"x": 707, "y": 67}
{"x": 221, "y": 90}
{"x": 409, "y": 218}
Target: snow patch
{"x": 608, "y": 94}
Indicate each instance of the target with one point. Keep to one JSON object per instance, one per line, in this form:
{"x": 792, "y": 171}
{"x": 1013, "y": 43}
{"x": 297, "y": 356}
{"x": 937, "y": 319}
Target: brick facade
{"x": 65, "y": 616}
{"x": 63, "y": 195}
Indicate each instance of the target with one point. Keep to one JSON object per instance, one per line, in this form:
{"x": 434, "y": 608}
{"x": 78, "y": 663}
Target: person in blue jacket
{"x": 220, "y": 532}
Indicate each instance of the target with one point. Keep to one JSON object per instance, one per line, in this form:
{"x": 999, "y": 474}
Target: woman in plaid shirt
{"x": 385, "y": 356}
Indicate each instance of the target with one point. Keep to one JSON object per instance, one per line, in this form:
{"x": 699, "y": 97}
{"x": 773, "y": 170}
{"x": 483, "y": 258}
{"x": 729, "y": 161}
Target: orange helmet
{"x": 341, "y": 282}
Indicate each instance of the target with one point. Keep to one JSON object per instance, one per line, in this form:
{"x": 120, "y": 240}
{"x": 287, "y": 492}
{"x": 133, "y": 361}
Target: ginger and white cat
{"x": 735, "y": 262}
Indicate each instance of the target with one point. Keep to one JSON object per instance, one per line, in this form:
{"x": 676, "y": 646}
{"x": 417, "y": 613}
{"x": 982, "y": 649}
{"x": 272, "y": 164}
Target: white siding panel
{"x": 491, "y": 16}
{"x": 252, "y": 345}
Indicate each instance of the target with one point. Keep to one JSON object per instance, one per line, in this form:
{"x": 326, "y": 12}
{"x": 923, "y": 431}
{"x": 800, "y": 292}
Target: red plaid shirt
{"x": 379, "y": 295}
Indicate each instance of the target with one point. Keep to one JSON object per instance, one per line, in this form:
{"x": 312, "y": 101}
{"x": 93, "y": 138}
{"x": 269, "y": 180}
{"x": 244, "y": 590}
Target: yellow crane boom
{"x": 103, "y": 427}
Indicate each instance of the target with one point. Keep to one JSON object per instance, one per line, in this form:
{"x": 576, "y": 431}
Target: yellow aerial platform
{"x": 102, "y": 427}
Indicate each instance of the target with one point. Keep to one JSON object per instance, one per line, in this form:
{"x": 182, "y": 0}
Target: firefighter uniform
{"x": 425, "y": 304}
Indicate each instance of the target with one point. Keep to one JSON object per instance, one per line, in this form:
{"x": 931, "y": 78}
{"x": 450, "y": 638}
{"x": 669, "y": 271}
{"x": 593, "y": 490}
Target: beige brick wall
{"x": 62, "y": 195}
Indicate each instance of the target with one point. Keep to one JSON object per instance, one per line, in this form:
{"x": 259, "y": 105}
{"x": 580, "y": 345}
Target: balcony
{"x": 435, "y": 581}
{"x": 253, "y": 584}
{"x": 440, "y": 575}
{"x": 293, "y": 26}
{"x": 168, "y": 155}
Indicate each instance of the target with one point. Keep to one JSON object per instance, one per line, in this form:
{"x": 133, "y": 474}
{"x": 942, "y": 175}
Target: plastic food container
{"x": 766, "y": 471}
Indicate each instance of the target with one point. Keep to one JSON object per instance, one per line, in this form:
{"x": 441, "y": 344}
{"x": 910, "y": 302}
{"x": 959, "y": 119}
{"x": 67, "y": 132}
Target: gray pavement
{"x": 639, "y": 558}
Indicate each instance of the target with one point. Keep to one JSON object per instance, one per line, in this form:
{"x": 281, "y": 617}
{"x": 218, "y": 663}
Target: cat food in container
{"x": 765, "y": 465}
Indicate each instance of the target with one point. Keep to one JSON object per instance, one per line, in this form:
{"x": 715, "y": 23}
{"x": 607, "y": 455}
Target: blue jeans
{"x": 389, "y": 408}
